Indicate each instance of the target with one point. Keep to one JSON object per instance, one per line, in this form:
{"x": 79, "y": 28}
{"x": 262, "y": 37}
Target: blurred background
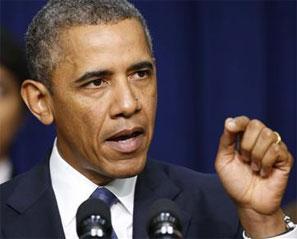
{"x": 215, "y": 59}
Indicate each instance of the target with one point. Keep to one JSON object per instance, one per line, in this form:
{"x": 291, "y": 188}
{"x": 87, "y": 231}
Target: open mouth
{"x": 126, "y": 134}
{"x": 126, "y": 141}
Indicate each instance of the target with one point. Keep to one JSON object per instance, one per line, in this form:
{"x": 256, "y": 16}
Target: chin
{"x": 128, "y": 167}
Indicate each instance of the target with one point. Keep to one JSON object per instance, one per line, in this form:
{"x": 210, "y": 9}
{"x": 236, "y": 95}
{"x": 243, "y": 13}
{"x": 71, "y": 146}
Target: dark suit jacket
{"x": 29, "y": 208}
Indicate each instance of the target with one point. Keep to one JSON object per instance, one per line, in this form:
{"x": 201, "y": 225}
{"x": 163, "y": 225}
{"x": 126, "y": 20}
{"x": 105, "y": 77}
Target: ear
{"x": 39, "y": 100}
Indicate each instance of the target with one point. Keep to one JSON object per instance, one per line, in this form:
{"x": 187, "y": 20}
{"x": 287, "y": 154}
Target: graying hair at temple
{"x": 42, "y": 37}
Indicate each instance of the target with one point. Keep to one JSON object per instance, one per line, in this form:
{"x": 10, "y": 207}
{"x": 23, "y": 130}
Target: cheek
{"x": 80, "y": 118}
{"x": 95, "y": 116}
{"x": 150, "y": 100}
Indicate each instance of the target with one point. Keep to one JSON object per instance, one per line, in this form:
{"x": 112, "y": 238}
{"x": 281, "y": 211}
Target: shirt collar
{"x": 124, "y": 189}
{"x": 72, "y": 188}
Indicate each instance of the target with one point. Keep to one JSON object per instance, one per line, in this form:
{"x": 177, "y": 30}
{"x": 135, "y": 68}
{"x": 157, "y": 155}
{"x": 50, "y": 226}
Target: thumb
{"x": 233, "y": 129}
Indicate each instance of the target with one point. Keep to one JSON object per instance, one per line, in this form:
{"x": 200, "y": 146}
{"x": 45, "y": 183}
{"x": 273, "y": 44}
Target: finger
{"x": 232, "y": 127}
{"x": 283, "y": 145}
{"x": 249, "y": 138}
{"x": 285, "y": 164}
{"x": 263, "y": 142}
{"x": 290, "y": 160}
{"x": 275, "y": 155}
{"x": 237, "y": 124}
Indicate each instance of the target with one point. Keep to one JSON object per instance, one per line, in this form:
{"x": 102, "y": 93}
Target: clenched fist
{"x": 255, "y": 174}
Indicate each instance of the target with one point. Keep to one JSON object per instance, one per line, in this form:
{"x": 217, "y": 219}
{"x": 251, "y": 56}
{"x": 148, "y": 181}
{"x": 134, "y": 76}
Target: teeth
{"x": 124, "y": 137}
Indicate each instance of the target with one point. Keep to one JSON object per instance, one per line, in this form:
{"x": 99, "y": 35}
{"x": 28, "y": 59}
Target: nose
{"x": 125, "y": 103}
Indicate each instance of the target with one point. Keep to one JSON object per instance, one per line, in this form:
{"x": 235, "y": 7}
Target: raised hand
{"x": 256, "y": 175}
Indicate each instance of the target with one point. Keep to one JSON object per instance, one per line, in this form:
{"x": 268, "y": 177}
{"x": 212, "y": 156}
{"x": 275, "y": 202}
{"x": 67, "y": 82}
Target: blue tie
{"x": 109, "y": 198}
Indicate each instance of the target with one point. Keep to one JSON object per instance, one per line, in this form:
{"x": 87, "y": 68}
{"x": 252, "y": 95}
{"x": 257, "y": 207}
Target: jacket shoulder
{"x": 213, "y": 214}
{"x": 190, "y": 179}
{"x": 24, "y": 202}
{"x": 9, "y": 187}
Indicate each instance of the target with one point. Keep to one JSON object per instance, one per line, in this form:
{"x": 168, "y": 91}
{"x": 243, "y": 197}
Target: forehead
{"x": 126, "y": 35}
{"x": 112, "y": 47}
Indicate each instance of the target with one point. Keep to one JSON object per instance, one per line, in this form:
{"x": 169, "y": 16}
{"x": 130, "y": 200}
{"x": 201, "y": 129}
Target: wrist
{"x": 257, "y": 225}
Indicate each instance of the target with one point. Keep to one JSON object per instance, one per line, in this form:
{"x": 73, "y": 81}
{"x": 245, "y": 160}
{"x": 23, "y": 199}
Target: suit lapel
{"x": 32, "y": 208}
{"x": 153, "y": 184}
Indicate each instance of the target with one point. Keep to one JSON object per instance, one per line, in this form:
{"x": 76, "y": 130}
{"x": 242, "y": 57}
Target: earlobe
{"x": 38, "y": 99}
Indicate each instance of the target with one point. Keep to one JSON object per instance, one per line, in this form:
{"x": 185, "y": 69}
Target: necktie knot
{"x": 109, "y": 198}
{"x": 105, "y": 195}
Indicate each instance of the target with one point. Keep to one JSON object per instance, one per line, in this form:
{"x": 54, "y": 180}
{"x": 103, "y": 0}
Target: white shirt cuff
{"x": 290, "y": 234}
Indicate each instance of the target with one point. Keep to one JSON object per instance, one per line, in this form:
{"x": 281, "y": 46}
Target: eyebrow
{"x": 91, "y": 74}
{"x": 105, "y": 73}
{"x": 141, "y": 65}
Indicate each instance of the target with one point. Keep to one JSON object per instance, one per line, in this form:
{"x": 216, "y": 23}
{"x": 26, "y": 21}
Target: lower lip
{"x": 126, "y": 146}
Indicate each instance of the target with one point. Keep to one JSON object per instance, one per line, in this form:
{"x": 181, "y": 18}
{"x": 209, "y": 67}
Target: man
{"x": 12, "y": 73}
{"x": 94, "y": 76}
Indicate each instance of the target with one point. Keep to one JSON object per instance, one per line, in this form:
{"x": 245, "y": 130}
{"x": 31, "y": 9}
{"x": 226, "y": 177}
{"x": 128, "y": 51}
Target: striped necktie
{"x": 109, "y": 198}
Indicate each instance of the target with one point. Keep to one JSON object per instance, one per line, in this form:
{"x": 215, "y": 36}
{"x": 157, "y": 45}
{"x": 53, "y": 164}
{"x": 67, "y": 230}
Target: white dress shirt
{"x": 72, "y": 188}
{"x": 5, "y": 170}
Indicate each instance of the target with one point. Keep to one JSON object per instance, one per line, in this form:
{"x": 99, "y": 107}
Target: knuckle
{"x": 276, "y": 149}
{"x": 267, "y": 134}
{"x": 284, "y": 146}
{"x": 246, "y": 118}
{"x": 256, "y": 124}
{"x": 243, "y": 117}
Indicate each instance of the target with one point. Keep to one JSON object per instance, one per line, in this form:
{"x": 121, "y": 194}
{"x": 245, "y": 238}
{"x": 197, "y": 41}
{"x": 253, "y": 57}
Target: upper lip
{"x": 125, "y": 133}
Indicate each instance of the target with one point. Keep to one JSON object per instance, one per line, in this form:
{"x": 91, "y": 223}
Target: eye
{"x": 95, "y": 83}
{"x": 141, "y": 74}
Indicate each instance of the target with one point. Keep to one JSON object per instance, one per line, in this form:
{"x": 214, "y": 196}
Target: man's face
{"x": 104, "y": 99}
{"x": 10, "y": 109}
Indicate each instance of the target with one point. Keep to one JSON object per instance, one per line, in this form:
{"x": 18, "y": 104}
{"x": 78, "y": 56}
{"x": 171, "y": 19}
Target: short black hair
{"x": 42, "y": 38}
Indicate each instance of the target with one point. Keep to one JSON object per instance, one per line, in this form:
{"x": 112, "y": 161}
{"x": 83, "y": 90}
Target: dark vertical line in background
{"x": 281, "y": 76}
